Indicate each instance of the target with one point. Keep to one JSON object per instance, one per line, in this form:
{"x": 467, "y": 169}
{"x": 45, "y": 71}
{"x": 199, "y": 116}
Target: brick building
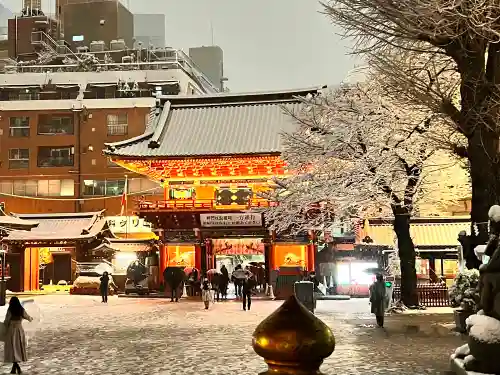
{"x": 58, "y": 107}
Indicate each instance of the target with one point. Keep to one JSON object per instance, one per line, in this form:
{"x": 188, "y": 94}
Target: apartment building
{"x": 59, "y": 107}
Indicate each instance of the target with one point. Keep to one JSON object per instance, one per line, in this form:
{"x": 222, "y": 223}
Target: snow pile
{"x": 484, "y": 328}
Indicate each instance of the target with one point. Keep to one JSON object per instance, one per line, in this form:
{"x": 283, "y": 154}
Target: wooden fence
{"x": 429, "y": 295}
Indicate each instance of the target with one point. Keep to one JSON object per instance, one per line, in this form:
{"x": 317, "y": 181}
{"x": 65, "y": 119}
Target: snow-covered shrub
{"x": 464, "y": 292}
{"x": 484, "y": 328}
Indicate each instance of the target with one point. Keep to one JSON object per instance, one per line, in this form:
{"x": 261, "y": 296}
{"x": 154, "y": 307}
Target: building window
{"x": 114, "y": 187}
{"x": 56, "y": 188}
{"x": 19, "y": 158}
{"x": 56, "y": 156}
{"x": 26, "y": 94}
{"x": 109, "y": 188}
{"x": 48, "y": 124}
{"x": 117, "y": 124}
{"x": 144, "y": 186}
{"x": 6, "y": 187}
{"x": 19, "y": 127}
{"x": 40, "y": 188}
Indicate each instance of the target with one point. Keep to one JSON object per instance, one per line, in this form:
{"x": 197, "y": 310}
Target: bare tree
{"x": 449, "y": 38}
{"x": 354, "y": 154}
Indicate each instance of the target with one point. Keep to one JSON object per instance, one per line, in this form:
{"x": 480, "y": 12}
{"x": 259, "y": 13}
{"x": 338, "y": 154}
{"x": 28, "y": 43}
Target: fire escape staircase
{"x": 50, "y": 48}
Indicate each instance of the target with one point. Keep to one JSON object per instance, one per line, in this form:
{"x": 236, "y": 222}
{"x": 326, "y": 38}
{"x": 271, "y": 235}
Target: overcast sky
{"x": 267, "y": 45}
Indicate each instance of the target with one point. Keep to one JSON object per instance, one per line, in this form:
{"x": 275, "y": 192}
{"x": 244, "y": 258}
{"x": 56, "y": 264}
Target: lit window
{"x": 117, "y": 124}
{"x": 19, "y": 158}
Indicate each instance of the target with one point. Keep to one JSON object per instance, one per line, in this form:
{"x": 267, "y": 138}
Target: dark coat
{"x": 248, "y": 285}
{"x": 104, "y": 282}
{"x": 378, "y": 298}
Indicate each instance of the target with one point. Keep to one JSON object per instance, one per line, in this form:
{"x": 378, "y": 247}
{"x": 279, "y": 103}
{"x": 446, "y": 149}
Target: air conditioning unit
{"x": 97, "y": 46}
{"x": 117, "y": 45}
{"x": 82, "y": 49}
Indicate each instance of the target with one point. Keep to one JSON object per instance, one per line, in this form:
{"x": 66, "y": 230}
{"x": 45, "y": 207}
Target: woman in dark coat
{"x": 224, "y": 281}
{"x": 15, "y": 339}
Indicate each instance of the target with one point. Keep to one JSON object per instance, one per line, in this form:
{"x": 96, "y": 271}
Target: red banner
{"x": 242, "y": 246}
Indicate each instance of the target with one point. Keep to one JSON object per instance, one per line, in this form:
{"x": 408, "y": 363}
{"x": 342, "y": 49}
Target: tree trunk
{"x": 479, "y": 123}
{"x": 407, "y": 255}
{"x": 485, "y": 179}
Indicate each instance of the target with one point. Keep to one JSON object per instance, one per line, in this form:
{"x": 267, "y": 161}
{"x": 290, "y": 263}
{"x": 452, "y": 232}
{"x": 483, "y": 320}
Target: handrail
{"x": 200, "y": 204}
{"x": 54, "y": 45}
{"x": 179, "y": 59}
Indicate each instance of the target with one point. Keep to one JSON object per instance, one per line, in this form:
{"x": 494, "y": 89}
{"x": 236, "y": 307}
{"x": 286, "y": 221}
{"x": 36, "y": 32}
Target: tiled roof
{"x": 423, "y": 234}
{"x": 223, "y": 124}
{"x": 12, "y": 221}
{"x": 53, "y": 227}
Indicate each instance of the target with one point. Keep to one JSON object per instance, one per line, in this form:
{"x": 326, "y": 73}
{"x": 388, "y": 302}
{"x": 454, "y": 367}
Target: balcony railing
{"x": 51, "y": 129}
{"x": 198, "y": 205}
{"x": 117, "y": 129}
{"x": 56, "y": 162}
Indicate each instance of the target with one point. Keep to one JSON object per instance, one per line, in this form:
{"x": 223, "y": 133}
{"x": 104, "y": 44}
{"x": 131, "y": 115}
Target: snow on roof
{"x": 76, "y": 104}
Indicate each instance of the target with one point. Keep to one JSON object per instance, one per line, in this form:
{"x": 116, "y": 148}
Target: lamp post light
{"x": 3, "y": 289}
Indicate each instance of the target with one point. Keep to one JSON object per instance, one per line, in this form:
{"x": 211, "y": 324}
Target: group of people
{"x": 243, "y": 280}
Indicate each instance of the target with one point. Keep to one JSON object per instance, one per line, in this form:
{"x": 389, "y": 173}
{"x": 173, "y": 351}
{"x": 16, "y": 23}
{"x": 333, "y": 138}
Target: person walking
{"x": 238, "y": 277}
{"x": 377, "y": 299}
{"x": 247, "y": 287}
{"x": 206, "y": 293}
{"x": 104, "y": 287}
{"x": 15, "y": 338}
{"x": 224, "y": 281}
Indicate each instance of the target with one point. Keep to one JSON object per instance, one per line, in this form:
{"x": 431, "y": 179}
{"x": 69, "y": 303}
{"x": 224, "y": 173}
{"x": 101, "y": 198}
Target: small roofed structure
{"x": 52, "y": 244}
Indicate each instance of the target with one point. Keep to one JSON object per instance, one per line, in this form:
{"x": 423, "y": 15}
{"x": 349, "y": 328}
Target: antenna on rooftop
{"x": 212, "y": 30}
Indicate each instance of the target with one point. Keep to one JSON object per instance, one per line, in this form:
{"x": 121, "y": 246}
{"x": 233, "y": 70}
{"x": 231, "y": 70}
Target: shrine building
{"x": 214, "y": 155}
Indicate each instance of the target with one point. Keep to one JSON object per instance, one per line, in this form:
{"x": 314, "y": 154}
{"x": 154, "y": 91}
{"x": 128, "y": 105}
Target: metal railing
{"x": 199, "y": 204}
{"x": 164, "y": 59}
{"x": 429, "y": 295}
{"x": 42, "y": 38}
{"x": 56, "y": 162}
{"x": 118, "y": 129}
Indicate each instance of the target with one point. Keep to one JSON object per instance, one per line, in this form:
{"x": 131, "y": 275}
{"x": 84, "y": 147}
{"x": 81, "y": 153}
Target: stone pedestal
{"x": 457, "y": 367}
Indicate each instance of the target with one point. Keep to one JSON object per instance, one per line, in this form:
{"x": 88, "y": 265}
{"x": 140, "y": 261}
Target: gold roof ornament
{"x": 293, "y": 341}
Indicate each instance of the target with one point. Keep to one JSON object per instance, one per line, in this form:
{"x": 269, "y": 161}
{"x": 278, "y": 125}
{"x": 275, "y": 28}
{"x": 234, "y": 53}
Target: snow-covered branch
{"x": 355, "y": 153}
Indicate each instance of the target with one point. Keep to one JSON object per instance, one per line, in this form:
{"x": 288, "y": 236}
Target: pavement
{"x": 78, "y": 335}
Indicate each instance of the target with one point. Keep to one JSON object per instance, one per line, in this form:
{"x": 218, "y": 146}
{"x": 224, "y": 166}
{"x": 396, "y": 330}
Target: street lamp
{"x": 3, "y": 289}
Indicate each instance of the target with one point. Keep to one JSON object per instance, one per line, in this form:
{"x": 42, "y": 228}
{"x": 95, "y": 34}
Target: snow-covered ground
{"x": 78, "y": 335}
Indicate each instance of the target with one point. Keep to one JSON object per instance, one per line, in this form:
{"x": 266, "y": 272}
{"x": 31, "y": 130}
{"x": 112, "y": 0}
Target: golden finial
{"x": 293, "y": 341}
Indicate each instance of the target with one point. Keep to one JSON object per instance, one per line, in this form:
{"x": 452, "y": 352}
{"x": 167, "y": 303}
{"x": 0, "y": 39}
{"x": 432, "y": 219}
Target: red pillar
{"x": 272, "y": 258}
{"x": 311, "y": 252}
{"x": 163, "y": 261}
{"x": 197, "y": 257}
{"x": 311, "y": 256}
